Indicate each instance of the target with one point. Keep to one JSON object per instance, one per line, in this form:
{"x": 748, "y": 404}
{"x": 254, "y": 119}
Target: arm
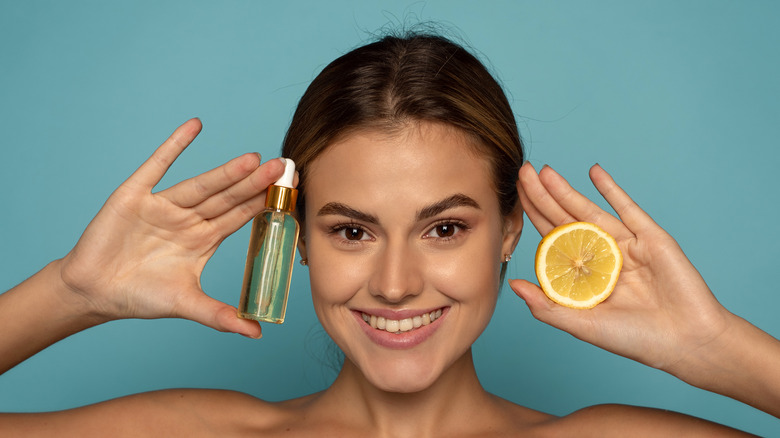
{"x": 661, "y": 312}
{"x": 167, "y": 413}
{"x": 142, "y": 254}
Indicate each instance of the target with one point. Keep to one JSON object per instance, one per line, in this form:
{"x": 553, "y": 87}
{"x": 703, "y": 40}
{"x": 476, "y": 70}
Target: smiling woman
{"x": 412, "y": 197}
{"x": 432, "y": 241}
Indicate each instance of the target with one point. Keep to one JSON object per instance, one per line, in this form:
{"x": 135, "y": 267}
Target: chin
{"x": 404, "y": 374}
{"x": 401, "y": 379}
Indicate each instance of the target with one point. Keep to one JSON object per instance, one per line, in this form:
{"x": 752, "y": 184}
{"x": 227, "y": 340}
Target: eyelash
{"x": 460, "y": 225}
{"x": 460, "y": 228}
{"x": 339, "y": 228}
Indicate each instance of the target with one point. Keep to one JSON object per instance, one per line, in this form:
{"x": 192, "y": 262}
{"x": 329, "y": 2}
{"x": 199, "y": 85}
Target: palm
{"x": 660, "y": 309}
{"x": 143, "y": 254}
{"x": 153, "y": 247}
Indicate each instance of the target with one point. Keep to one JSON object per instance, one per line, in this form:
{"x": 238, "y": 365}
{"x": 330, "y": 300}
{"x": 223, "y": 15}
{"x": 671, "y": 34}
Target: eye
{"x": 446, "y": 230}
{"x": 352, "y": 233}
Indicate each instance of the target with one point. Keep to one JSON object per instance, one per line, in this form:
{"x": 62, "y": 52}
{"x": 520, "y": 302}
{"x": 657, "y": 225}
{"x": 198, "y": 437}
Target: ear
{"x": 302, "y": 243}
{"x": 513, "y": 228}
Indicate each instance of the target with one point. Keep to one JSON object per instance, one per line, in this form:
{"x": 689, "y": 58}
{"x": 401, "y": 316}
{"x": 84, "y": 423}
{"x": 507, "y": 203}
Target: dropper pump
{"x": 281, "y": 195}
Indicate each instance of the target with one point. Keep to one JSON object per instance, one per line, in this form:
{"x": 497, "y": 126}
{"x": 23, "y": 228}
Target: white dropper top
{"x": 286, "y": 180}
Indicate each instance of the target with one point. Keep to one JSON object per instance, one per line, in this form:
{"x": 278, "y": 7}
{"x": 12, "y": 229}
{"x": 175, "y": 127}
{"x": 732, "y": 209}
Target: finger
{"x": 241, "y": 190}
{"x": 532, "y": 295}
{"x": 542, "y": 225}
{"x": 217, "y": 315}
{"x": 193, "y": 191}
{"x": 239, "y": 215}
{"x": 540, "y": 202}
{"x": 579, "y": 207}
{"x": 636, "y": 219}
{"x": 154, "y": 168}
{"x": 544, "y": 309}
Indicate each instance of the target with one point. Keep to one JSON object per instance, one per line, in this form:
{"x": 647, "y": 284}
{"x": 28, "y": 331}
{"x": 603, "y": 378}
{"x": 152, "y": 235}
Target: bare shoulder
{"x": 624, "y": 420}
{"x": 612, "y": 420}
{"x": 173, "y": 412}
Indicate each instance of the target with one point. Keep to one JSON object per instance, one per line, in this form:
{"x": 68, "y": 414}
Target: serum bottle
{"x": 269, "y": 260}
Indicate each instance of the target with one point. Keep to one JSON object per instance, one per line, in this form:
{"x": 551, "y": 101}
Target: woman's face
{"x": 405, "y": 242}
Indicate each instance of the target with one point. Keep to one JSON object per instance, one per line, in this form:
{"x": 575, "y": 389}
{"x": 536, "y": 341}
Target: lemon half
{"x": 578, "y": 264}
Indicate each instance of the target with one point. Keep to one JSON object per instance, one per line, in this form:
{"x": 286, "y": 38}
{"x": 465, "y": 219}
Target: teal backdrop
{"x": 679, "y": 100}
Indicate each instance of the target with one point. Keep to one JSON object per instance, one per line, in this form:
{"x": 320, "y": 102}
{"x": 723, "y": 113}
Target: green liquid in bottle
{"x": 269, "y": 267}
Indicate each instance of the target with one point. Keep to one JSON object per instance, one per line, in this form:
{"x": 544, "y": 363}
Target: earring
{"x": 304, "y": 262}
{"x": 507, "y": 257}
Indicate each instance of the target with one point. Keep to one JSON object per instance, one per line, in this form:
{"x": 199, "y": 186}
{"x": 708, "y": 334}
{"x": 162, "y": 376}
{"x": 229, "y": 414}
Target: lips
{"x": 399, "y": 329}
{"x": 399, "y": 326}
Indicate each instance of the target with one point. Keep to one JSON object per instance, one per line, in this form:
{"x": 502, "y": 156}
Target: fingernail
{"x": 551, "y": 169}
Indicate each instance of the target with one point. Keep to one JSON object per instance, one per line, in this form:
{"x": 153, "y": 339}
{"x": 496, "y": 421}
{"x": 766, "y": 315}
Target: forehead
{"x": 420, "y": 163}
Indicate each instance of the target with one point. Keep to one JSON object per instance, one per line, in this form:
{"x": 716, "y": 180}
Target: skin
{"x": 402, "y": 264}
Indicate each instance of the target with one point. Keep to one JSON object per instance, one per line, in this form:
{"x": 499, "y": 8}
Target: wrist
{"x": 70, "y": 300}
{"x": 39, "y": 312}
{"x": 712, "y": 354}
{"x": 740, "y": 363}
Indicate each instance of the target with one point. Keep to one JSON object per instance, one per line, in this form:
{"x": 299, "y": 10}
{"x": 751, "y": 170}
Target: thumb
{"x": 219, "y": 316}
{"x": 533, "y": 296}
{"x": 547, "y": 311}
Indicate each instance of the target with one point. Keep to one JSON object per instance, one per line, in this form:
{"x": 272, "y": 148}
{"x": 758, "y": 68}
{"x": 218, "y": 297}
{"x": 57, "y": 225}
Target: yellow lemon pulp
{"x": 578, "y": 264}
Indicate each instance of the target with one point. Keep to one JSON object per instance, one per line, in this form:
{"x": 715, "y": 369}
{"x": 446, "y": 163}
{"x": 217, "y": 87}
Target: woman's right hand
{"x": 143, "y": 254}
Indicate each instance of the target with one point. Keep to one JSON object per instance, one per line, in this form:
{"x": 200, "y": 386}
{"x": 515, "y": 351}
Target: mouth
{"x": 398, "y": 326}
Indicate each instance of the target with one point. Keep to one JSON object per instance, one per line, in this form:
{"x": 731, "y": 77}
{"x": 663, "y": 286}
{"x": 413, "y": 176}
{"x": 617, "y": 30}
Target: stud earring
{"x": 507, "y": 257}
{"x": 304, "y": 262}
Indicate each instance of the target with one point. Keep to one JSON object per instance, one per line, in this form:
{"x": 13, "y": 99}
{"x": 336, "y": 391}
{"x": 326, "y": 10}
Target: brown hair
{"x": 397, "y": 80}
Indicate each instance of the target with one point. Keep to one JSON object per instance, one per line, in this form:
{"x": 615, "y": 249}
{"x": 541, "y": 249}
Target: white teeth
{"x": 403, "y": 325}
{"x": 392, "y": 325}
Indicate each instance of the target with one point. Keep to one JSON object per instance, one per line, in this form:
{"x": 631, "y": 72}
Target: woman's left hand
{"x": 660, "y": 311}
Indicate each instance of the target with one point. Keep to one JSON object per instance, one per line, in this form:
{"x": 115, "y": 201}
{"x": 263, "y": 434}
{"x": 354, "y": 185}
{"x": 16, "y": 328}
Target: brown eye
{"x": 445, "y": 230}
{"x": 353, "y": 233}
{"x": 350, "y": 233}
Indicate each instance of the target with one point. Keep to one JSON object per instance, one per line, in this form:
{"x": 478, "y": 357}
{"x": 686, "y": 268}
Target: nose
{"x": 397, "y": 274}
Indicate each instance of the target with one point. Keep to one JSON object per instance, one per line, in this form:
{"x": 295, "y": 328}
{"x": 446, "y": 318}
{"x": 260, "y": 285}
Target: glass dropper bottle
{"x": 269, "y": 261}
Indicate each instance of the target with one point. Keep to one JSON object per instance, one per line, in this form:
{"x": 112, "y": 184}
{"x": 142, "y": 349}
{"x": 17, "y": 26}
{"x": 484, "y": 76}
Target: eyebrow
{"x": 453, "y": 201}
{"x": 337, "y": 208}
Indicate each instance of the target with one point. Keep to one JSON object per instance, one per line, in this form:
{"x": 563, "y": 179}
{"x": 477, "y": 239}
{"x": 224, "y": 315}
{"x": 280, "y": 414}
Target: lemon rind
{"x": 544, "y": 282}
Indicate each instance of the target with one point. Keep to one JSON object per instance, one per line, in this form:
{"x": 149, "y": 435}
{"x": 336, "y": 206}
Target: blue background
{"x": 680, "y": 101}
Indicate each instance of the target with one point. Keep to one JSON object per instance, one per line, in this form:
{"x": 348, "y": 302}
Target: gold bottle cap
{"x": 281, "y": 198}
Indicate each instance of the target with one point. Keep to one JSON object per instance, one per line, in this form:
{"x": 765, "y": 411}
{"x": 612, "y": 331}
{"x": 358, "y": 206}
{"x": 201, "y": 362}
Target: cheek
{"x": 470, "y": 274}
{"x": 335, "y": 276}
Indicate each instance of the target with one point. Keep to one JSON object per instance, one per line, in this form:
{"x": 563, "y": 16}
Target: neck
{"x": 453, "y": 398}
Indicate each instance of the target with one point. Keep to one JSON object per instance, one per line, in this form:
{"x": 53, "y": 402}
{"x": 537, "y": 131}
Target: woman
{"x": 410, "y": 206}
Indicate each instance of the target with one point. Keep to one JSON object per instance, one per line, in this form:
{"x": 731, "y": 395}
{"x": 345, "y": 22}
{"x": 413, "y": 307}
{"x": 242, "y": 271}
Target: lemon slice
{"x": 578, "y": 264}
